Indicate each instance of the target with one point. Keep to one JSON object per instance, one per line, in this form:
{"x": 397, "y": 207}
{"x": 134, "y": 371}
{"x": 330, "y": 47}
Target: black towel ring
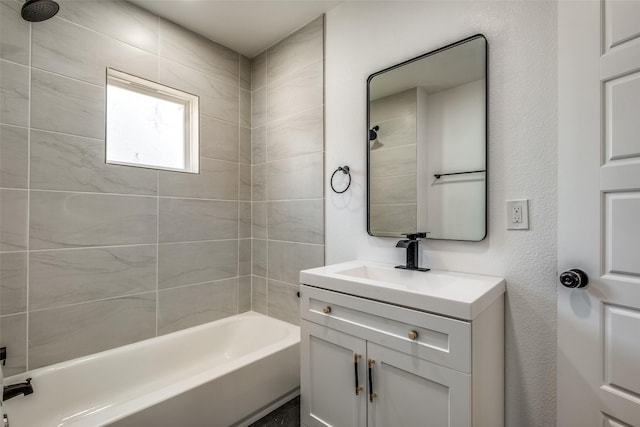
{"x": 345, "y": 170}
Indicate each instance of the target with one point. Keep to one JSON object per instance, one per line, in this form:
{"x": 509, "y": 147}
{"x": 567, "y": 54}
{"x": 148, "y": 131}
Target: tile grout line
{"x": 266, "y": 176}
{"x": 28, "y": 235}
{"x": 159, "y": 41}
{"x": 151, "y": 196}
{"x": 251, "y": 62}
{"x": 238, "y": 177}
{"x": 157, "y": 251}
{"x": 79, "y": 248}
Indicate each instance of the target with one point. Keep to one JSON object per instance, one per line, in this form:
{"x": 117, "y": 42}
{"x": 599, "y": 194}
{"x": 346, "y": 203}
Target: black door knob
{"x": 574, "y": 278}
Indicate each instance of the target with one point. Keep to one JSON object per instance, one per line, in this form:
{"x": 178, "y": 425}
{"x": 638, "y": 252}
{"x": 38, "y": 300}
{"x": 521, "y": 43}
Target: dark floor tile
{"x": 288, "y": 415}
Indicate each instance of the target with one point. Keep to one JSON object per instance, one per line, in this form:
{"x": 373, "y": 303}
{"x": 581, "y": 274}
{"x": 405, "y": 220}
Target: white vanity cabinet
{"x": 369, "y": 363}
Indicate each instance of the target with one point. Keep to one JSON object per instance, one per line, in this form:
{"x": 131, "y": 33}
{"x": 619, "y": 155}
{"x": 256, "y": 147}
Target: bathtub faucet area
{"x": 14, "y": 390}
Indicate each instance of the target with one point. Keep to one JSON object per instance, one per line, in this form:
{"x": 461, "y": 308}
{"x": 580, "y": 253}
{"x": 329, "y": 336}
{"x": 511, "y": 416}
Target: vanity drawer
{"x": 438, "y": 339}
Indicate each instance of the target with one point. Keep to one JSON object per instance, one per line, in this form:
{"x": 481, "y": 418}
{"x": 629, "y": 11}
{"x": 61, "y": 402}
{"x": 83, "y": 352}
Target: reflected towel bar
{"x": 438, "y": 175}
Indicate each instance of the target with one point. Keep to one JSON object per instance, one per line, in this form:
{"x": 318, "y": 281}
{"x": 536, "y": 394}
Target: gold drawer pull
{"x": 357, "y": 357}
{"x": 413, "y": 335}
{"x": 372, "y": 395}
{"x": 326, "y": 310}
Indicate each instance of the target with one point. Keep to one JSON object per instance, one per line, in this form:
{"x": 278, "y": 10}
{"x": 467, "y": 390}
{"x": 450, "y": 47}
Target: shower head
{"x": 373, "y": 134}
{"x": 39, "y": 10}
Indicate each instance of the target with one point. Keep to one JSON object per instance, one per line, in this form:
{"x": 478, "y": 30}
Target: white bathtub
{"x": 228, "y": 372}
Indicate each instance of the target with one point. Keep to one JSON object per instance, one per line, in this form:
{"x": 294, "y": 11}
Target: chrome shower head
{"x": 39, "y": 10}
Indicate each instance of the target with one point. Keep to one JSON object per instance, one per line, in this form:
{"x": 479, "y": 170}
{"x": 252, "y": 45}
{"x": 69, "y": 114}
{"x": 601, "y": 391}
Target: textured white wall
{"x": 364, "y": 37}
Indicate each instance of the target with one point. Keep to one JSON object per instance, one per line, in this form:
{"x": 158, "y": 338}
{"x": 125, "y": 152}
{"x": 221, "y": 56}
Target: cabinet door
{"x": 413, "y": 392}
{"x": 328, "y": 379}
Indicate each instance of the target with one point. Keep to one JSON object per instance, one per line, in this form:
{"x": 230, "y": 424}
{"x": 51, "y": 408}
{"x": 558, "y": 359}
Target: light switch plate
{"x": 518, "y": 214}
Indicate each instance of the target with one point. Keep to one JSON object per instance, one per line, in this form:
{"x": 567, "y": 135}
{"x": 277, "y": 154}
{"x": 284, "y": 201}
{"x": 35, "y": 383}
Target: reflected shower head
{"x": 373, "y": 134}
{"x": 39, "y": 10}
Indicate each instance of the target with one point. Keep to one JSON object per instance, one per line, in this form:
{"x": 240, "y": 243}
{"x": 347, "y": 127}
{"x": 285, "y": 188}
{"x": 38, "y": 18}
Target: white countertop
{"x": 459, "y": 295}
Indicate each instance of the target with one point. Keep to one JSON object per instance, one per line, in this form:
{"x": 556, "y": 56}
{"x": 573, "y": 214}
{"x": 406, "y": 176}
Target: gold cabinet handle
{"x": 372, "y": 395}
{"x": 326, "y": 310}
{"x": 413, "y": 335}
{"x": 356, "y": 358}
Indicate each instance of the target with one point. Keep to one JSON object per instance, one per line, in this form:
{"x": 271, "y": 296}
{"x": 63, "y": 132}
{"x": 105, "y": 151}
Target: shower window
{"x": 150, "y": 125}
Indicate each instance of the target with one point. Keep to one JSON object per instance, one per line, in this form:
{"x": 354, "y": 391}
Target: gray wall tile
{"x": 14, "y": 94}
{"x": 395, "y": 161}
{"x": 14, "y": 33}
{"x": 244, "y": 294}
{"x": 259, "y": 257}
{"x": 288, "y": 166}
{"x": 82, "y": 54}
{"x": 296, "y": 178}
{"x": 64, "y": 105}
{"x": 78, "y": 201}
{"x": 188, "y": 306}
{"x": 391, "y": 218}
{"x": 13, "y": 335}
{"x": 295, "y": 135}
{"x": 181, "y": 264}
{"x": 300, "y": 91}
{"x": 259, "y": 182}
{"x": 14, "y": 147}
{"x": 217, "y": 179}
{"x": 181, "y": 45}
{"x": 259, "y": 294}
{"x": 393, "y": 189}
{"x": 401, "y": 104}
{"x": 259, "y": 71}
{"x": 13, "y": 219}
{"x": 217, "y": 98}
{"x": 54, "y": 334}
{"x": 191, "y": 220}
{"x": 259, "y": 107}
{"x": 245, "y": 146}
{"x": 244, "y": 182}
{"x": 62, "y": 277}
{"x": 397, "y": 132}
{"x": 287, "y": 259}
{"x": 63, "y": 220}
{"x": 67, "y": 163}
{"x": 120, "y": 20}
{"x": 245, "y": 108}
{"x": 259, "y": 145}
{"x": 244, "y": 257}
{"x": 245, "y": 73}
{"x": 301, "y": 48}
{"x": 71, "y": 163}
{"x": 296, "y": 221}
{"x": 283, "y": 302}
{"x": 218, "y": 139}
{"x": 259, "y": 215}
{"x": 244, "y": 218}
{"x": 13, "y": 282}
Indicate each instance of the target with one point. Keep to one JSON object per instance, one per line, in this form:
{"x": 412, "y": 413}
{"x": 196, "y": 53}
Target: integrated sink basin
{"x": 459, "y": 295}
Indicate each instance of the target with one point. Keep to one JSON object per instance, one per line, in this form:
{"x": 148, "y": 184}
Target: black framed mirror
{"x": 427, "y": 144}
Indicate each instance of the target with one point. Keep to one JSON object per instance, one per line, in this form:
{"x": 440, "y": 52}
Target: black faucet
{"x": 14, "y": 390}
{"x": 411, "y": 244}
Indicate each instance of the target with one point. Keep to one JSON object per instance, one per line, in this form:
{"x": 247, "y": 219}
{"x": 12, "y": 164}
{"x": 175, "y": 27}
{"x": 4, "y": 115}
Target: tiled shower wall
{"x": 393, "y": 164}
{"x": 95, "y": 256}
{"x": 287, "y": 163}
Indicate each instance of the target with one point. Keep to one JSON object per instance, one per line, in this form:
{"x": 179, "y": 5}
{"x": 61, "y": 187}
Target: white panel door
{"x": 599, "y": 212}
{"x": 328, "y": 380}
{"x": 409, "y": 391}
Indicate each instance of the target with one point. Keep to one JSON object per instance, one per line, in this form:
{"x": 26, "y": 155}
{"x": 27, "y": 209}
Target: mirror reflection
{"x": 426, "y": 152}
